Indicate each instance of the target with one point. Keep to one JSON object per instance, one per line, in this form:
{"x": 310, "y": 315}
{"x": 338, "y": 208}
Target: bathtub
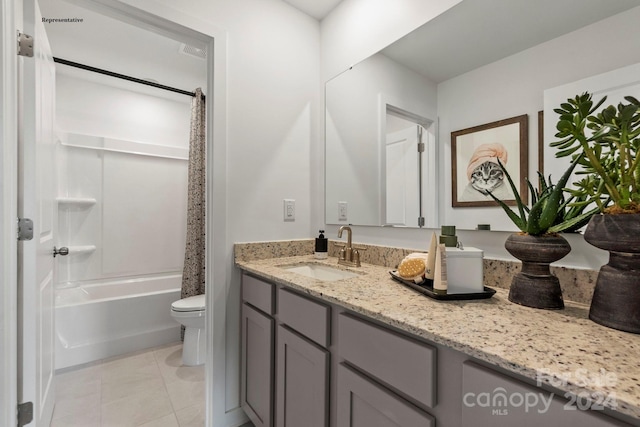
{"x": 99, "y": 320}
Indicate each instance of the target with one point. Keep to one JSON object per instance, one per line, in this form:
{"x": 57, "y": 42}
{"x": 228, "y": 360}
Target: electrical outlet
{"x": 342, "y": 211}
{"x": 289, "y": 210}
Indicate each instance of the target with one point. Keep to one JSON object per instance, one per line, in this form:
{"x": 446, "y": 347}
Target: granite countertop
{"x": 561, "y": 348}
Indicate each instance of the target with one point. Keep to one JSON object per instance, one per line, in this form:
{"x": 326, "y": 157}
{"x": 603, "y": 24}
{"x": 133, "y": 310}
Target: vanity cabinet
{"x": 309, "y": 363}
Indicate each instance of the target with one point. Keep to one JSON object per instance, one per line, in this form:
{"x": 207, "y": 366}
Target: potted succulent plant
{"x": 607, "y": 143}
{"x": 539, "y": 244}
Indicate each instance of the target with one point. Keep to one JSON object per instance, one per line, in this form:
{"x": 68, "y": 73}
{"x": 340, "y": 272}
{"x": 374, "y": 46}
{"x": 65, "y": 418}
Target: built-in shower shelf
{"x": 76, "y": 201}
{"x": 81, "y": 249}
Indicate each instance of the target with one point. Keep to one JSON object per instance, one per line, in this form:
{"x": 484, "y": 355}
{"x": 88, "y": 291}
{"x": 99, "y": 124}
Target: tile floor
{"x": 149, "y": 388}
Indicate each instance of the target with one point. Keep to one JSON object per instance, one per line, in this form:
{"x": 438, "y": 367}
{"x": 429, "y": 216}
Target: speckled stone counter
{"x": 574, "y": 353}
{"x": 577, "y": 284}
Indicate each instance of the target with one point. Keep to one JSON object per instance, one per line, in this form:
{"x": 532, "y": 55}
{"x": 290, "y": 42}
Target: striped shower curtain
{"x": 193, "y": 274}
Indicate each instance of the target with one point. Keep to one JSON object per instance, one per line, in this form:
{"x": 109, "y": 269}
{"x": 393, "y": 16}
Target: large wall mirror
{"x": 381, "y": 146}
{"x": 389, "y": 118}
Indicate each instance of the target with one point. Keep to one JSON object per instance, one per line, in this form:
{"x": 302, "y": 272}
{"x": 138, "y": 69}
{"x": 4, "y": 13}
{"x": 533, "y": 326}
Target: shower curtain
{"x": 193, "y": 274}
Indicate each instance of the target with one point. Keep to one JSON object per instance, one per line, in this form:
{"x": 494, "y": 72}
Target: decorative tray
{"x": 426, "y": 288}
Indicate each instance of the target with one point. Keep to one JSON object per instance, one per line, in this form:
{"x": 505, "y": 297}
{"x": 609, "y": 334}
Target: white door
{"x": 402, "y": 178}
{"x": 37, "y": 189}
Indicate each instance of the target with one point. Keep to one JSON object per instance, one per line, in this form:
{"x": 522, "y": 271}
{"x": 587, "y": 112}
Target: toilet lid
{"x": 195, "y": 303}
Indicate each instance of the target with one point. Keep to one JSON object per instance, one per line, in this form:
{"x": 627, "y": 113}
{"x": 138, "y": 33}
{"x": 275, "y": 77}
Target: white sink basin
{"x": 324, "y": 273}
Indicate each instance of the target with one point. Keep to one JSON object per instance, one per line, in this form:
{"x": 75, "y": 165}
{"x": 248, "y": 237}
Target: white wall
{"x": 506, "y": 88}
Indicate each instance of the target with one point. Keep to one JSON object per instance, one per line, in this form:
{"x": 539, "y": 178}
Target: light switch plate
{"x": 289, "y": 210}
{"x": 342, "y": 211}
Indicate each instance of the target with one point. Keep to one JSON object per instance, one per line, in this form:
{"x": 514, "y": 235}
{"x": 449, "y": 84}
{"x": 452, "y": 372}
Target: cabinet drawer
{"x": 491, "y": 398}
{"x": 257, "y": 293}
{"x": 403, "y": 364}
{"x": 306, "y": 316}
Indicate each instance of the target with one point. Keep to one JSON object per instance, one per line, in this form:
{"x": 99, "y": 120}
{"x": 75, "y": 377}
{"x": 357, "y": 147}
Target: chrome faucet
{"x": 348, "y": 255}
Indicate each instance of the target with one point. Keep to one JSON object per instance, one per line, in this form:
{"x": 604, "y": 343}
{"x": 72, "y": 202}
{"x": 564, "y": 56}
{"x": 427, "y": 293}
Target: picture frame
{"x": 474, "y": 164}
{"x": 541, "y": 142}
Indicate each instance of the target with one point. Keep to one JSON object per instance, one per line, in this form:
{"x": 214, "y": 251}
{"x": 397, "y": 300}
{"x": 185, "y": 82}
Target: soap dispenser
{"x": 321, "y": 246}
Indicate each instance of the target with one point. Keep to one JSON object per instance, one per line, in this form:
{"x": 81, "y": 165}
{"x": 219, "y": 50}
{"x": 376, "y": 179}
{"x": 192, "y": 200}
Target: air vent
{"x": 193, "y": 51}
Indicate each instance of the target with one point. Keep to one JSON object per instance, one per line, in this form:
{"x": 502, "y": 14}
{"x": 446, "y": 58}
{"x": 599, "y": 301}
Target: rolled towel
{"x": 420, "y": 255}
{"x": 486, "y": 153}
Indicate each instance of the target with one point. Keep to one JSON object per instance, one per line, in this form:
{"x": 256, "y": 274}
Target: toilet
{"x": 190, "y": 313}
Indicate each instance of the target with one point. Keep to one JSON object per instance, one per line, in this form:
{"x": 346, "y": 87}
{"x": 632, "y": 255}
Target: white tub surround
{"x": 99, "y": 320}
{"x": 518, "y": 339}
{"x": 122, "y": 210}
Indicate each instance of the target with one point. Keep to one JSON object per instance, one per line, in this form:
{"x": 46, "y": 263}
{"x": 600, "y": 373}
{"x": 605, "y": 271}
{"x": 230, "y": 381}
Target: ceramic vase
{"x": 616, "y": 298}
{"x": 535, "y": 286}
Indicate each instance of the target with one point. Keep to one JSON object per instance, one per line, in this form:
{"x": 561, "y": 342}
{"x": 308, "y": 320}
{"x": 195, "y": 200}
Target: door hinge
{"x": 25, "y": 229}
{"x": 420, "y": 147}
{"x": 420, "y": 221}
{"x": 25, "y": 413}
{"x": 25, "y": 45}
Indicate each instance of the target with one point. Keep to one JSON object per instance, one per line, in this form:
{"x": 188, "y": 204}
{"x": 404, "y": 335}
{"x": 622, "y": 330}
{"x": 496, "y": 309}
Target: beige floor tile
{"x": 125, "y": 367}
{"x": 136, "y": 409}
{"x": 84, "y": 418}
{"x": 168, "y": 421}
{"x": 192, "y": 416}
{"x": 170, "y": 354}
{"x": 76, "y": 391}
{"x": 185, "y": 393}
{"x": 82, "y": 374}
{"x": 170, "y": 365}
{"x": 66, "y": 389}
{"x": 149, "y": 388}
{"x": 67, "y": 404}
{"x": 133, "y": 385}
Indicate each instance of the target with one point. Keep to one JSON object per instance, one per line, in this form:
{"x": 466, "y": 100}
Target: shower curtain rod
{"x": 123, "y": 77}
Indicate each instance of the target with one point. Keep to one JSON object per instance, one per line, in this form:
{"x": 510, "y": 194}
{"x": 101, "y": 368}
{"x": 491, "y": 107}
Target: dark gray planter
{"x": 616, "y": 298}
{"x": 535, "y": 286}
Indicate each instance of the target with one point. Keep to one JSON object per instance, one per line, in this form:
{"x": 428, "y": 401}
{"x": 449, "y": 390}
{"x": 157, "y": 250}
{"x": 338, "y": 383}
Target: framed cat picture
{"x": 475, "y": 170}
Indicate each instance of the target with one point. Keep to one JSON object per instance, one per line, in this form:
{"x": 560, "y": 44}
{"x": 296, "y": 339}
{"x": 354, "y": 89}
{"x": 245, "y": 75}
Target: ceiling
{"x": 478, "y": 32}
{"x": 315, "y": 8}
{"x": 103, "y": 42}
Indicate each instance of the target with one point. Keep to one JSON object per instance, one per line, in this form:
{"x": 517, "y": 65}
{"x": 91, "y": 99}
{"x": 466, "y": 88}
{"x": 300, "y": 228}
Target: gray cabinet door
{"x": 302, "y": 397}
{"x": 257, "y": 366}
{"x": 492, "y": 399}
{"x": 364, "y": 403}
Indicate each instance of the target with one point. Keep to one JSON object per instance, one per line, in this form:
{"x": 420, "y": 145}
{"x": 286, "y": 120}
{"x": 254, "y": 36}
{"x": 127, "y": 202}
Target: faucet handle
{"x": 356, "y": 257}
